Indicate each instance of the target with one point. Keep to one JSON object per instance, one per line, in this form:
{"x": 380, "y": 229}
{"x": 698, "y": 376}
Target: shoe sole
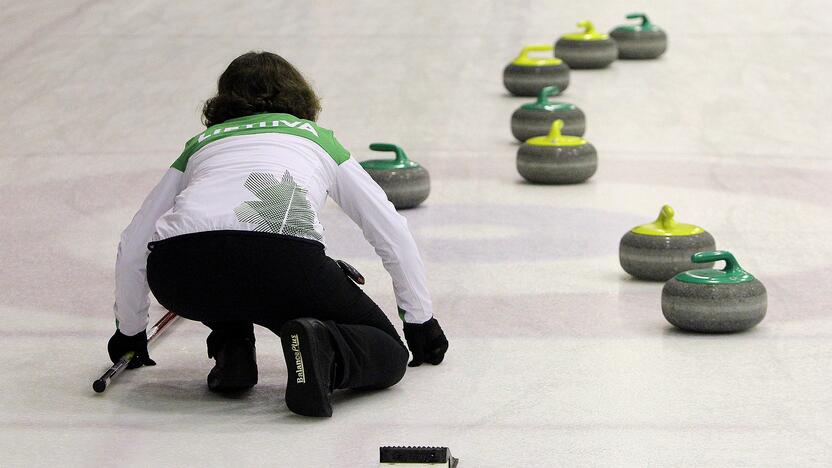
{"x": 306, "y": 394}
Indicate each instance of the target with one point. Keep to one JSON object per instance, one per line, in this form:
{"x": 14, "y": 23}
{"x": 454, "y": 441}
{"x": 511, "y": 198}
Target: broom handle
{"x": 101, "y": 383}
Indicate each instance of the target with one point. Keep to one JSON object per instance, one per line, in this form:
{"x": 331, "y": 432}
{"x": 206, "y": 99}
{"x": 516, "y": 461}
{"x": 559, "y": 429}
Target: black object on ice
{"x": 439, "y": 456}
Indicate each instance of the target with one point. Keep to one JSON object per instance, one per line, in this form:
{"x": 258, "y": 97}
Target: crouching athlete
{"x": 230, "y": 237}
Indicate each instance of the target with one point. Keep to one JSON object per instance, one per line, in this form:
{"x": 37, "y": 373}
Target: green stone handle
{"x": 731, "y": 264}
{"x": 545, "y": 93}
{"x": 645, "y": 22}
{"x": 401, "y": 157}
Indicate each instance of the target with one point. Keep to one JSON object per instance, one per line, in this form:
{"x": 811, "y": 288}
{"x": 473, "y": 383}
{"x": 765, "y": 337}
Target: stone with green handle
{"x": 639, "y": 41}
{"x": 535, "y": 118}
{"x": 712, "y": 300}
{"x": 405, "y": 182}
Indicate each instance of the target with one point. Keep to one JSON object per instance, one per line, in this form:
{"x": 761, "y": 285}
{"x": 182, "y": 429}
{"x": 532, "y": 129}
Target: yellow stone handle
{"x": 524, "y": 54}
{"x": 665, "y": 218}
{"x": 589, "y": 28}
{"x": 554, "y": 132}
{"x": 555, "y": 138}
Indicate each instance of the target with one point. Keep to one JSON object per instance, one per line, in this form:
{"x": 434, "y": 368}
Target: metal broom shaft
{"x": 101, "y": 383}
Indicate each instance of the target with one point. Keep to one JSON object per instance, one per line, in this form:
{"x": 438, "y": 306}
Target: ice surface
{"x": 557, "y": 358}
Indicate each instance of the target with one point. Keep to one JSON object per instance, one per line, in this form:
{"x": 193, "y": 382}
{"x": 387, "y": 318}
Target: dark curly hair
{"x": 260, "y": 82}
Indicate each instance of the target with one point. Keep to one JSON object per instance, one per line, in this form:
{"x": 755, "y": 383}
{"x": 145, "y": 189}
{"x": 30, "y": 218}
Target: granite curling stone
{"x": 556, "y": 159}
{"x": 714, "y": 301}
{"x": 535, "y": 118}
{"x": 587, "y": 49}
{"x": 526, "y": 76}
{"x": 405, "y": 182}
{"x": 639, "y": 41}
{"x": 661, "y": 249}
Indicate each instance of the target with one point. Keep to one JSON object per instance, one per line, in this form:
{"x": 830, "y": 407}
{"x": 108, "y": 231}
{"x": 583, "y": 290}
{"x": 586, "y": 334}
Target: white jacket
{"x": 269, "y": 173}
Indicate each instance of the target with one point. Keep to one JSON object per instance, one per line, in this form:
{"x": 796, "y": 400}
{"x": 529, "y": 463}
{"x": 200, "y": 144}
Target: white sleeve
{"x": 386, "y": 230}
{"x": 132, "y": 301}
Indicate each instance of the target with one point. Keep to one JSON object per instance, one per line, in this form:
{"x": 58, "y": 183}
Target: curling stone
{"x": 405, "y": 182}
{"x": 535, "y": 118}
{"x": 714, "y": 301}
{"x": 526, "y": 76}
{"x": 556, "y": 159}
{"x": 588, "y": 49}
{"x": 639, "y": 41}
{"x": 661, "y": 249}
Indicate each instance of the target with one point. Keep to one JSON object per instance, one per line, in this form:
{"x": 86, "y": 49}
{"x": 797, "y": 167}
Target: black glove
{"x": 426, "y": 341}
{"x": 120, "y": 344}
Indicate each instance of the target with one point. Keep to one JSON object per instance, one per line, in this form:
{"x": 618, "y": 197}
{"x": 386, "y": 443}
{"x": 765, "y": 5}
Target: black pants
{"x": 231, "y": 279}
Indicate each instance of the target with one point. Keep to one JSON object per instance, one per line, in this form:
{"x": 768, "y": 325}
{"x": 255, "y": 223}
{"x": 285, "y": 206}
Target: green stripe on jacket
{"x": 264, "y": 123}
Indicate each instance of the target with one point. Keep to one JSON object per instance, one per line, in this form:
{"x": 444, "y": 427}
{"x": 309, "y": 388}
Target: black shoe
{"x": 236, "y": 367}
{"x": 310, "y": 361}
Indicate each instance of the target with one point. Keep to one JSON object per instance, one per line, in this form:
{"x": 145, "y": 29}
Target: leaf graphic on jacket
{"x": 282, "y": 208}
